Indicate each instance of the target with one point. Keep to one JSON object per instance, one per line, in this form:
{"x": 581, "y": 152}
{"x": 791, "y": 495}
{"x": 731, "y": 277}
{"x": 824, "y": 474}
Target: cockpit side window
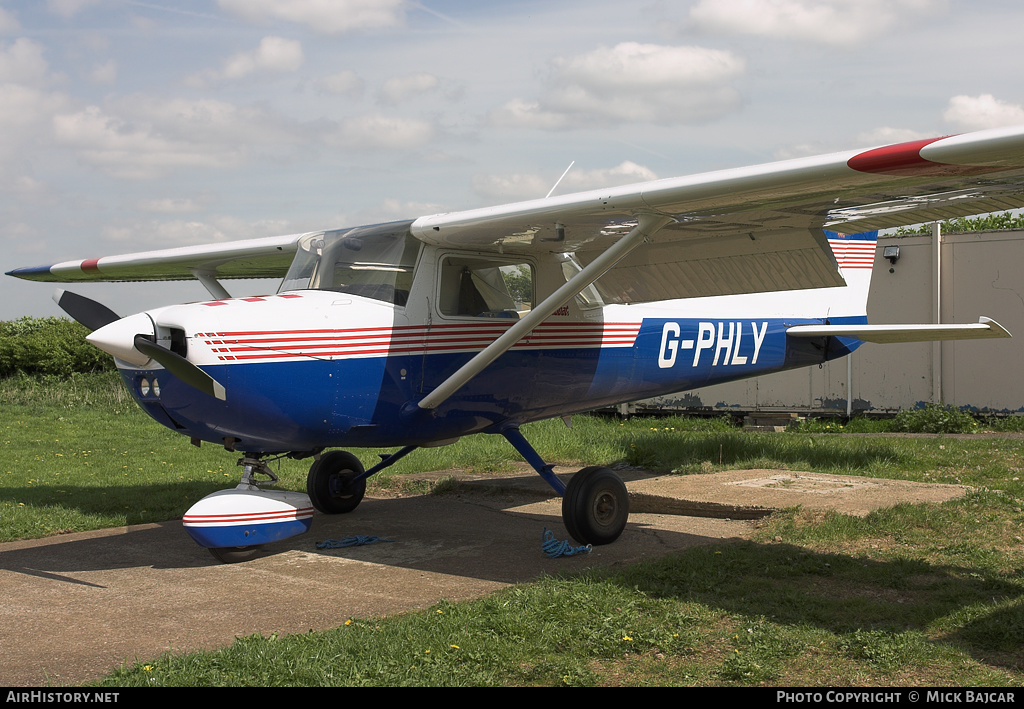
{"x": 485, "y": 288}
{"x": 377, "y": 264}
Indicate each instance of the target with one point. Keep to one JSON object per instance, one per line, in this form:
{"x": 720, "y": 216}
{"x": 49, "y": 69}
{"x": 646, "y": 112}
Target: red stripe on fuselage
{"x": 356, "y": 342}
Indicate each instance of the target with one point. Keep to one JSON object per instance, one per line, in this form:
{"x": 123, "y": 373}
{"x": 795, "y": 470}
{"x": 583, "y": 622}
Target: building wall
{"x": 979, "y": 273}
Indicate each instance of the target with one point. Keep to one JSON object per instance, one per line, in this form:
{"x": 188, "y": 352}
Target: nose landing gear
{"x": 234, "y": 524}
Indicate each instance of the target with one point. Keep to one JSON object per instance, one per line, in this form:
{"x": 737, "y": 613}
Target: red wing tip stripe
{"x": 905, "y": 159}
{"x": 91, "y": 265}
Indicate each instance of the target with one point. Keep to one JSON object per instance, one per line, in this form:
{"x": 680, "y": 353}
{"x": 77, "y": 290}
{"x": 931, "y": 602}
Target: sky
{"x": 134, "y": 125}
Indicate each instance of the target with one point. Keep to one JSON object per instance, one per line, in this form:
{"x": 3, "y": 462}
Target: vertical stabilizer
{"x": 855, "y": 255}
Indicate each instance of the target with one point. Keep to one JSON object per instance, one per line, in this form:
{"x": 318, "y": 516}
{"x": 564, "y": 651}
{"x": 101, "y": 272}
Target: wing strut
{"x": 648, "y": 225}
{"x": 210, "y": 283}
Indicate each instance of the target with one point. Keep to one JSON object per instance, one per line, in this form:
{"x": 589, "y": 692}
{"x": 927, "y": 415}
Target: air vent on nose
{"x": 179, "y": 343}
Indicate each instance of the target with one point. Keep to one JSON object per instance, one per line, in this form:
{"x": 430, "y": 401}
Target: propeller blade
{"x": 85, "y": 310}
{"x": 180, "y": 367}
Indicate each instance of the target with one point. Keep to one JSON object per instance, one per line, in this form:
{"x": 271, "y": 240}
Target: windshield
{"x": 373, "y": 262}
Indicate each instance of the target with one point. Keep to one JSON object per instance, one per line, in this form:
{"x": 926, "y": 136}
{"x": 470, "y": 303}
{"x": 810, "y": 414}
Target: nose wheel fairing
{"x": 246, "y": 516}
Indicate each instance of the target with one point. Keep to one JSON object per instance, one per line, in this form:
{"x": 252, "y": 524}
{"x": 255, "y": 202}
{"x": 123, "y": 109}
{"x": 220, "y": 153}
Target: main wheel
{"x": 330, "y": 483}
{"x": 233, "y": 555}
{"x": 595, "y": 506}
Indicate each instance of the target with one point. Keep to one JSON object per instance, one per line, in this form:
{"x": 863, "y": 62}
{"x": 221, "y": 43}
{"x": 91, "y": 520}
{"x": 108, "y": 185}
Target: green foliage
{"x": 519, "y": 282}
{"x": 53, "y": 346}
{"x": 934, "y": 418}
{"x": 986, "y": 222}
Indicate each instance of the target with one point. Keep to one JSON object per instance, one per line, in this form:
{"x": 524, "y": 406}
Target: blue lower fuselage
{"x": 306, "y": 404}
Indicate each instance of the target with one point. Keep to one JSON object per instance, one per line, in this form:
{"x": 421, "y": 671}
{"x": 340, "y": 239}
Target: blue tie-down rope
{"x": 354, "y": 541}
{"x": 554, "y": 548}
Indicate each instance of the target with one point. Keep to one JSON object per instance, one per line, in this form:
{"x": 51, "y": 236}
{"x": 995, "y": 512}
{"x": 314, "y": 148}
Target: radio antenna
{"x": 560, "y": 179}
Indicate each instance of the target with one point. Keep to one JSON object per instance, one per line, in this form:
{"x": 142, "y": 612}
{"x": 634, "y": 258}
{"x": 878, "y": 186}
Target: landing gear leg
{"x": 595, "y": 504}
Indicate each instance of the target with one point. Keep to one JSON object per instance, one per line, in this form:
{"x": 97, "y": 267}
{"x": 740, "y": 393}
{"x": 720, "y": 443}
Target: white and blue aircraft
{"x": 418, "y": 332}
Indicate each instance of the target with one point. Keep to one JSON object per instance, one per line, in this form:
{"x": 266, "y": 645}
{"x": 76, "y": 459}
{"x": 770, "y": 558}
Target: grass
{"x": 910, "y": 595}
{"x": 761, "y": 613}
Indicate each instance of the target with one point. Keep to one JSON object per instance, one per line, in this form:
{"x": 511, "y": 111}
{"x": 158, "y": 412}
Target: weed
{"x": 935, "y": 418}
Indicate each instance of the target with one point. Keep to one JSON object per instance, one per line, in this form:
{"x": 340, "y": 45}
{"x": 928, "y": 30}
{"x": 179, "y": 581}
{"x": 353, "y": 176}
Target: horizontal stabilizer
{"x": 884, "y": 334}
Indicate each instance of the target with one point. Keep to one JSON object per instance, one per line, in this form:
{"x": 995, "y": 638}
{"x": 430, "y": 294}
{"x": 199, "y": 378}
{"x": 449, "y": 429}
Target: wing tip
{"x": 31, "y": 273}
{"x": 996, "y": 329}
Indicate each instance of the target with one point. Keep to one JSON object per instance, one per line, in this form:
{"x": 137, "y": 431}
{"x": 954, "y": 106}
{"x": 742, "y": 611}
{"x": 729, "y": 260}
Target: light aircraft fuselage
{"x": 316, "y": 368}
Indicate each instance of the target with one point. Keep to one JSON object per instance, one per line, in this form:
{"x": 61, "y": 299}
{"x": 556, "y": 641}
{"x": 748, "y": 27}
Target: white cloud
{"x": 25, "y": 114}
{"x": 980, "y": 112}
{"x": 169, "y": 205}
{"x": 511, "y": 187}
{"x": 105, "y": 73}
{"x": 275, "y": 54}
{"x": 530, "y": 186}
{"x": 831, "y": 22}
{"x": 342, "y": 83}
{"x": 142, "y": 137}
{"x": 631, "y": 82}
{"x": 22, "y": 62}
{"x": 8, "y": 22}
{"x": 529, "y": 114}
{"x": 397, "y": 209}
{"x": 624, "y": 173}
{"x": 322, "y": 16}
{"x": 183, "y": 232}
{"x": 400, "y": 88}
{"x": 890, "y": 136}
{"x": 375, "y": 131}
{"x": 133, "y": 151}
{"x": 69, "y": 8}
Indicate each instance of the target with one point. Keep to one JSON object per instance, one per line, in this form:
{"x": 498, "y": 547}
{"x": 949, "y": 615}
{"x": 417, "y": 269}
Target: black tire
{"x": 329, "y": 483}
{"x": 595, "y": 506}
{"x": 234, "y": 555}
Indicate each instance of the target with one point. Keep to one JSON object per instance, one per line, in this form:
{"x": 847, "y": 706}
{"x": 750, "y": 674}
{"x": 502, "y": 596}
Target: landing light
{"x": 147, "y": 388}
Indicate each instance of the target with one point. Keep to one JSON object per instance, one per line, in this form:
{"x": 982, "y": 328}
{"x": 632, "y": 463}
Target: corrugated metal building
{"x": 937, "y": 278}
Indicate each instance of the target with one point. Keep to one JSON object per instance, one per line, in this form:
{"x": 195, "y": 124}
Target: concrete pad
{"x": 752, "y": 494}
{"x": 79, "y": 605}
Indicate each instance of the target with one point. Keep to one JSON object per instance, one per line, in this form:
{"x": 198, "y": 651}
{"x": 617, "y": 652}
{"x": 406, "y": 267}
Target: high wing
{"x": 753, "y": 229}
{"x": 251, "y": 258}
{"x": 745, "y": 230}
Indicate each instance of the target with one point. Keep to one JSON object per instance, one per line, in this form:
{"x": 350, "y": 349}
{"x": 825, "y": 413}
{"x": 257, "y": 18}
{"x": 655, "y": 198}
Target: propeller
{"x": 132, "y": 339}
{"x": 180, "y": 367}
{"x": 85, "y": 310}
